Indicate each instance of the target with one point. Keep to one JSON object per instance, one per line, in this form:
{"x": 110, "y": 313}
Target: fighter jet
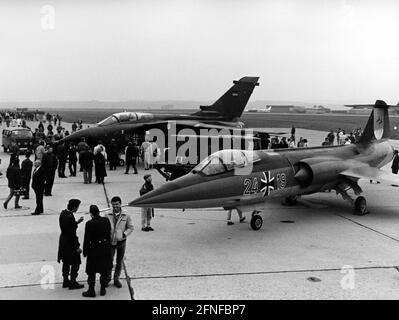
{"x": 224, "y": 113}
{"x": 246, "y": 180}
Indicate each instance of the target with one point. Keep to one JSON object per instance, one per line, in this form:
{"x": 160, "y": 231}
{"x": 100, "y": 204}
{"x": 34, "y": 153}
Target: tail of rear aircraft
{"x": 231, "y": 105}
{"x": 378, "y": 124}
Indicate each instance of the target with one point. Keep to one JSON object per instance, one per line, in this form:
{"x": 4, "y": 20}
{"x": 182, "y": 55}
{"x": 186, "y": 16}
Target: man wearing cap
{"x": 146, "y": 213}
{"x": 121, "y": 228}
{"x": 69, "y": 247}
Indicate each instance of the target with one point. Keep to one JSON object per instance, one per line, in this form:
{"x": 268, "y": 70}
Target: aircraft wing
{"x": 370, "y": 173}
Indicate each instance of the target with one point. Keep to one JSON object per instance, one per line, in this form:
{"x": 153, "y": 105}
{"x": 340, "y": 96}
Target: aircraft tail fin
{"x": 377, "y": 126}
{"x": 231, "y": 105}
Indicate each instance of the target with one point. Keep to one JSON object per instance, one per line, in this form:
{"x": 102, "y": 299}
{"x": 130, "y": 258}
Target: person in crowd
{"x": 40, "y": 135}
{"x": 74, "y": 126}
{"x": 293, "y": 133}
{"x": 121, "y": 228}
{"x": 14, "y": 149}
{"x": 69, "y": 247}
{"x": 72, "y": 159}
{"x": 97, "y": 250}
{"x": 331, "y": 137}
{"x": 155, "y": 154}
{"x": 26, "y": 169}
{"x": 326, "y": 142}
{"x": 283, "y": 143}
{"x": 99, "y": 163}
{"x": 86, "y": 159}
{"x": 343, "y": 137}
{"x": 62, "y": 156}
{"x": 145, "y": 150}
{"x": 40, "y": 150}
{"x": 82, "y": 146}
{"x": 146, "y": 213}
{"x": 98, "y": 146}
{"x": 131, "y": 154}
{"x": 291, "y": 143}
{"x": 113, "y": 155}
{"x": 38, "y": 184}
{"x": 14, "y": 183}
{"x": 352, "y": 138}
{"x": 49, "y": 163}
{"x": 300, "y": 143}
{"x": 35, "y": 134}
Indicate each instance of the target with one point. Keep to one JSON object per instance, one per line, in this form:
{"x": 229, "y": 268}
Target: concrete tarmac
{"x": 315, "y": 250}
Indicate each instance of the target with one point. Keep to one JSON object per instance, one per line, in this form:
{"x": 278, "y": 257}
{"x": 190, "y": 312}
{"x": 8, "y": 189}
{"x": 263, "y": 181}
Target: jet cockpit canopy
{"x": 225, "y": 160}
{"x": 125, "y": 117}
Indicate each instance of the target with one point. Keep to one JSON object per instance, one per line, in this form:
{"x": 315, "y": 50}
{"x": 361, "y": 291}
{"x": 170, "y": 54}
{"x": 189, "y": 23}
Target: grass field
{"x": 323, "y": 122}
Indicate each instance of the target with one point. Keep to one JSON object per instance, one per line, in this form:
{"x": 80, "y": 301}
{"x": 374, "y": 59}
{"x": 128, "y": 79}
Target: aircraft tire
{"x": 121, "y": 162}
{"x": 361, "y": 206}
{"x": 256, "y": 222}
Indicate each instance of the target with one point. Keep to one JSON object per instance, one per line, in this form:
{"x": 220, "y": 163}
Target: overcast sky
{"x": 151, "y": 49}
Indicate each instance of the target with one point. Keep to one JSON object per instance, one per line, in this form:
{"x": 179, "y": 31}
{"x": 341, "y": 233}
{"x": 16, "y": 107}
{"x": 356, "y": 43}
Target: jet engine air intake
{"x": 318, "y": 171}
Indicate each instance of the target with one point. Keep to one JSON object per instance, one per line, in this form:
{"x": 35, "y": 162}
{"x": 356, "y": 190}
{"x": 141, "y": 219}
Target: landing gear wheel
{"x": 121, "y": 162}
{"x": 256, "y": 222}
{"x": 361, "y": 206}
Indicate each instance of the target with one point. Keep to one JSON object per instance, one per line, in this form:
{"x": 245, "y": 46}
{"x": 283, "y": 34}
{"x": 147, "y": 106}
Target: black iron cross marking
{"x": 267, "y": 183}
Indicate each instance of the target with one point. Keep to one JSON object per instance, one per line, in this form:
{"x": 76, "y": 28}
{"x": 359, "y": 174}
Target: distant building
{"x": 318, "y": 110}
{"x": 286, "y": 109}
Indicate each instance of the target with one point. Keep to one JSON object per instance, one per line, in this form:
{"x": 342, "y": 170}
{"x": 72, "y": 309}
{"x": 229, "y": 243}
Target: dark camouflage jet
{"x": 224, "y": 113}
{"x": 247, "y": 179}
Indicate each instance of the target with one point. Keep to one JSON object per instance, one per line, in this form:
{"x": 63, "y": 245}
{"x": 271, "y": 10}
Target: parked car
{"x": 23, "y": 137}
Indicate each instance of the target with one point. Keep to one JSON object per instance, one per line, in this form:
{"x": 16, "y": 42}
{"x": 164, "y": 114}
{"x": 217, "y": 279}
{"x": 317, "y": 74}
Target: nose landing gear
{"x": 256, "y": 220}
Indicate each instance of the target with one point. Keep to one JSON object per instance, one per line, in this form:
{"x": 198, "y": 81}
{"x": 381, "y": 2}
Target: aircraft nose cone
{"x": 160, "y": 197}
{"x": 78, "y": 135}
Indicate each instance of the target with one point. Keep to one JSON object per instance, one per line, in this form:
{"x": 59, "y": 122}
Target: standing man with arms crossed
{"x": 121, "y": 228}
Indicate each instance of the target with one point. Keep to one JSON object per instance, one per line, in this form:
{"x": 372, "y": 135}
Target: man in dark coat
{"x": 86, "y": 159}
{"x": 68, "y": 248}
{"x": 97, "y": 249}
{"x": 49, "y": 163}
{"x": 26, "y": 168}
{"x": 82, "y": 146}
{"x": 131, "y": 154}
{"x": 113, "y": 155}
{"x": 14, "y": 182}
{"x": 72, "y": 159}
{"x": 38, "y": 182}
{"x": 99, "y": 162}
{"x": 62, "y": 156}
